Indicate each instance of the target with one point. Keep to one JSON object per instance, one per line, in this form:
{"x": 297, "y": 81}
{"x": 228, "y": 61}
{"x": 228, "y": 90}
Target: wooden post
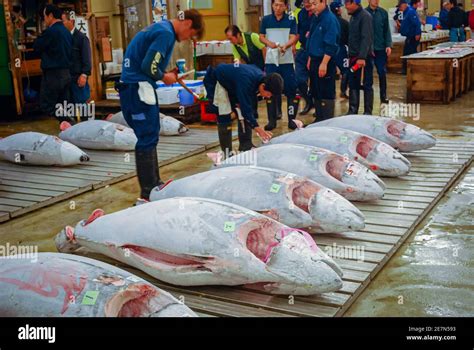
{"x": 96, "y": 81}
{"x": 15, "y": 60}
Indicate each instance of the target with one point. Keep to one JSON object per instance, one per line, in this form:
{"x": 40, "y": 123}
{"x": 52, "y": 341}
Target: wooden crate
{"x": 213, "y": 60}
{"x": 394, "y": 62}
{"x": 433, "y": 85}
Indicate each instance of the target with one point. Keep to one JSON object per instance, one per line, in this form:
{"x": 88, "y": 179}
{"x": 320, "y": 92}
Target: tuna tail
{"x": 64, "y": 126}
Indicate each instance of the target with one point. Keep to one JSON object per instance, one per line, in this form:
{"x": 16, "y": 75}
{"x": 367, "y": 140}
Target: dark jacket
{"x": 382, "y": 34}
{"x": 324, "y": 35}
{"x": 411, "y": 25}
{"x": 456, "y": 18}
{"x": 81, "y": 54}
{"x": 344, "y": 25}
{"x": 361, "y": 34}
{"x": 55, "y": 47}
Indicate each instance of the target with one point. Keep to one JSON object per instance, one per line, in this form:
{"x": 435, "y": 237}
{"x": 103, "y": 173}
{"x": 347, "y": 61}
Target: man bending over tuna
{"x": 234, "y": 88}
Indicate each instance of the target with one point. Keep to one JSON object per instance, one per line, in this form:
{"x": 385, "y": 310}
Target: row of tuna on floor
{"x": 33, "y": 148}
{"x": 240, "y": 223}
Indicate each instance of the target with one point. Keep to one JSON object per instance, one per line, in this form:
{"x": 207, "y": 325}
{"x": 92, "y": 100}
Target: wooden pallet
{"x": 390, "y": 221}
{"x": 24, "y": 189}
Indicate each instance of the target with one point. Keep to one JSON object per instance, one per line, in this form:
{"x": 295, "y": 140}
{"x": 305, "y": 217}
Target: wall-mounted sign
{"x": 159, "y": 9}
{"x": 82, "y": 25}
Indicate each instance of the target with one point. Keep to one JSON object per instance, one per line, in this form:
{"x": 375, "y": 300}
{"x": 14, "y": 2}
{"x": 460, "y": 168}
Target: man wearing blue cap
{"x": 410, "y": 28}
{"x": 322, "y": 47}
{"x": 361, "y": 37}
{"x": 382, "y": 44}
{"x": 343, "y": 53}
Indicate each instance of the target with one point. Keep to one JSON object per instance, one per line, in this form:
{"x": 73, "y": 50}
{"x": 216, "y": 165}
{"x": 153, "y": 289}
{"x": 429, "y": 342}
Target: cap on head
{"x": 273, "y": 83}
{"x": 402, "y": 2}
{"x": 335, "y": 5}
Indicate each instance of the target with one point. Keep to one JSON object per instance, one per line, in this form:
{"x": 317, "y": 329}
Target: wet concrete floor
{"x": 431, "y": 274}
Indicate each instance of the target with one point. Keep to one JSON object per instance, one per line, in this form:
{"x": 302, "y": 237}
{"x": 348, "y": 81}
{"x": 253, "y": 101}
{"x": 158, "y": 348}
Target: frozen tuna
{"x": 350, "y": 179}
{"x": 381, "y": 158}
{"x": 289, "y": 198}
{"x": 400, "y": 135}
{"x": 99, "y": 135}
{"x": 197, "y": 241}
{"x": 34, "y": 148}
{"x": 65, "y": 285}
{"x": 168, "y": 126}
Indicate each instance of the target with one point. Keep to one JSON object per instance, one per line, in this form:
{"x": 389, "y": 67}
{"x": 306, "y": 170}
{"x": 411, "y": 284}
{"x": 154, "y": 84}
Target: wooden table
{"x": 395, "y": 61}
{"x": 439, "y": 78}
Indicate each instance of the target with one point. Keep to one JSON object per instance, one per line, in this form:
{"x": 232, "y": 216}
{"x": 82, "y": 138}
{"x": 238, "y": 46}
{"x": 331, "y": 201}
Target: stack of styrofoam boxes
{"x": 214, "y": 47}
{"x": 114, "y": 67}
{"x": 110, "y": 92}
{"x": 170, "y": 94}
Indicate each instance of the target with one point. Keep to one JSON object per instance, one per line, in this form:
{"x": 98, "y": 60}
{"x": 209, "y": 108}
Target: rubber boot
{"x": 272, "y": 114}
{"x": 318, "y": 110}
{"x": 354, "y": 97}
{"x": 279, "y": 114}
{"x": 368, "y": 102}
{"x": 245, "y": 136}
{"x": 327, "y": 109}
{"x": 156, "y": 166}
{"x": 344, "y": 84}
{"x": 147, "y": 171}
{"x": 383, "y": 89}
{"x": 225, "y": 138}
{"x": 293, "y": 105}
{"x": 304, "y": 93}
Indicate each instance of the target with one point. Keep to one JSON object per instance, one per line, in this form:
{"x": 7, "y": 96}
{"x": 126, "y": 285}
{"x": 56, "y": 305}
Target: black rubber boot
{"x": 305, "y": 95}
{"x": 279, "y": 113}
{"x": 147, "y": 171}
{"x": 344, "y": 84}
{"x": 327, "y": 109}
{"x": 368, "y": 102}
{"x": 245, "y": 136}
{"x": 318, "y": 111}
{"x": 293, "y": 105}
{"x": 225, "y": 138}
{"x": 272, "y": 114}
{"x": 383, "y": 89}
{"x": 354, "y": 100}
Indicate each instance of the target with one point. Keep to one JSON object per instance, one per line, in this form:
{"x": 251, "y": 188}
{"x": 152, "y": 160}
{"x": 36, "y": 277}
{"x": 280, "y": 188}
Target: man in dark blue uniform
{"x": 278, "y": 33}
{"x": 145, "y": 61}
{"x": 322, "y": 47}
{"x": 342, "y": 58}
{"x": 81, "y": 65}
{"x": 302, "y": 73}
{"x": 242, "y": 83}
{"x": 410, "y": 27}
{"x": 55, "y": 47}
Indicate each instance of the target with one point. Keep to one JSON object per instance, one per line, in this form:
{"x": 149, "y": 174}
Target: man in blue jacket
{"x": 322, "y": 48}
{"x": 242, "y": 83}
{"x": 145, "y": 63}
{"x": 410, "y": 28}
{"x": 81, "y": 65}
{"x": 55, "y": 47}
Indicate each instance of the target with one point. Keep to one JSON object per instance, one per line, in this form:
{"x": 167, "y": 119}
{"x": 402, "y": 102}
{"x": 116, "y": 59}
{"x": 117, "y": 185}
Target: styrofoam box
{"x": 228, "y": 47}
{"x": 218, "y": 47}
{"x": 207, "y": 48}
{"x": 112, "y": 94}
{"x": 168, "y": 96}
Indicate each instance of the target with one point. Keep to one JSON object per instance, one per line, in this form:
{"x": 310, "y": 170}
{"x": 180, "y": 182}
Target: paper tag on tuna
{"x": 133, "y": 279}
{"x": 229, "y": 226}
{"x": 90, "y": 297}
{"x": 275, "y": 188}
{"x": 313, "y": 157}
{"x": 343, "y": 139}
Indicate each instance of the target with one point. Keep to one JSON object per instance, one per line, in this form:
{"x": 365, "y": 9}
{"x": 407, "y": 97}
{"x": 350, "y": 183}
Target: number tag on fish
{"x": 275, "y": 188}
{"x": 343, "y": 139}
{"x": 313, "y": 158}
{"x": 90, "y": 297}
{"x": 133, "y": 279}
{"x": 229, "y": 226}
{"x": 352, "y": 170}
